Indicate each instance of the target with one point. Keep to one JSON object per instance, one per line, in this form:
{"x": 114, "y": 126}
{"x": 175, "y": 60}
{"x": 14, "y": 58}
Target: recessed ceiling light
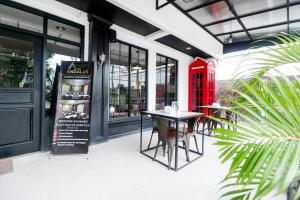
{"x": 188, "y": 48}
{"x": 187, "y": 1}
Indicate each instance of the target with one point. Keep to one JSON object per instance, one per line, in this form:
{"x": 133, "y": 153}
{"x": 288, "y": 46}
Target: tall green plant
{"x": 263, "y": 149}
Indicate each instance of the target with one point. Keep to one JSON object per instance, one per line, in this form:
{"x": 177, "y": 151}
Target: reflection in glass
{"x": 119, "y": 69}
{"x": 138, "y": 73}
{"x": 56, "y": 53}
{"x": 20, "y": 19}
{"x": 171, "y": 81}
{"x": 16, "y": 63}
{"x": 63, "y": 31}
{"x": 127, "y": 80}
{"x": 160, "y": 81}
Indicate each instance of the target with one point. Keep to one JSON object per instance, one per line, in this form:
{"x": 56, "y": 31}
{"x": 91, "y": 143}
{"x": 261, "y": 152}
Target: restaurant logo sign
{"x": 72, "y": 119}
{"x": 73, "y": 69}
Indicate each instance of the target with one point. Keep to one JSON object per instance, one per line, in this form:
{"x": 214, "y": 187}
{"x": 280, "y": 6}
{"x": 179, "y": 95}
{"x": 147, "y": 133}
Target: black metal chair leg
{"x": 187, "y": 148}
{"x": 170, "y": 155}
{"x": 196, "y": 143}
{"x": 156, "y": 150}
{"x": 150, "y": 139}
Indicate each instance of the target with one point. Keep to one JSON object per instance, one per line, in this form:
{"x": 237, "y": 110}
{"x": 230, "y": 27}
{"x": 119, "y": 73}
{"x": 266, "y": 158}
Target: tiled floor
{"x": 114, "y": 170}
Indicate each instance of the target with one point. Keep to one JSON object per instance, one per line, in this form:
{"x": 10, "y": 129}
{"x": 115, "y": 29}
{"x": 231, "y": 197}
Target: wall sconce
{"x": 101, "y": 60}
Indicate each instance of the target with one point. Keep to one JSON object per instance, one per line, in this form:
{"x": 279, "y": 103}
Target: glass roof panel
{"x": 268, "y": 31}
{"x": 215, "y": 12}
{"x": 236, "y": 37}
{"x": 295, "y": 27}
{"x": 187, "y": 4}
{"x": 266, "y": 18}
{"x": 250, "y": 6}
{"x": 294, "y": 12}
{"x": 225, "y": 27}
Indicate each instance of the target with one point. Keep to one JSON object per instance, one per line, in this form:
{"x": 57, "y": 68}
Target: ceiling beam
{"x": 156, "y": 35}
{"x": 163, "y": 5}
{"x": 231, "y": 8}
{"x": 288, "y": 15}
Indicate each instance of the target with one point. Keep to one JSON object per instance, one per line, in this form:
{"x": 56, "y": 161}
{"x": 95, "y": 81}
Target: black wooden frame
{"x": 176, "y": 82}
{"x": 44, "y": 134}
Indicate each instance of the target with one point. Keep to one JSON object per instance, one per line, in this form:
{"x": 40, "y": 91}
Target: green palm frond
{"x": 286, "y": 51}
{"x": 264, "y": 147}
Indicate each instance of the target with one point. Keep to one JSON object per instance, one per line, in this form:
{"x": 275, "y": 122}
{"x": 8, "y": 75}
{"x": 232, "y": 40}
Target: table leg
{"x": 141, "y": 137}
{"x": 202, "y": 151}
{"x": 176, "y": 145}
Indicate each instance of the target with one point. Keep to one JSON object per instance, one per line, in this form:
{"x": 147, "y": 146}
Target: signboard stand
{"x": 72, "y": 119}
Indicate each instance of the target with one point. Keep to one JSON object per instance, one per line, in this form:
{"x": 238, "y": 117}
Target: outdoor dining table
{"x": 220, "y": 108}
{"x": 176, "y": 117}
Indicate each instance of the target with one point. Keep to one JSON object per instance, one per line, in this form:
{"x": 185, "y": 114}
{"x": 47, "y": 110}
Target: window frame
{"x": 46, "y": 16}
{"x": 166, "y": 75}
{"x": 129, "y": 117}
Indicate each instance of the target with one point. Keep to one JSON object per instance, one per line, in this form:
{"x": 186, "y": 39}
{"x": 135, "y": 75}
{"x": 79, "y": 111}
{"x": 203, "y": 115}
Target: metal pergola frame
{"x": 235, "y": 16}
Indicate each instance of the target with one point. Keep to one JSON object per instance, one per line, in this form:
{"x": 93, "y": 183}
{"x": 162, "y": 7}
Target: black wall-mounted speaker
{"x": 112, "y": 35}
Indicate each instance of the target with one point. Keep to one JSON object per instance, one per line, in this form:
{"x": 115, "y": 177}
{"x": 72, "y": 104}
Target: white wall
{"x": 154, "y": 48}
{"x": 63, "y": 11}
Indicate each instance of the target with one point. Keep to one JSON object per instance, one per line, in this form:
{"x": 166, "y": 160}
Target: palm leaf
{"x": 264, "y": 148}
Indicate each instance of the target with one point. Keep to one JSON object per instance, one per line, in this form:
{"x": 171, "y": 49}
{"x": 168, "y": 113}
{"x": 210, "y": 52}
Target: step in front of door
{"x": 6, "y": 166}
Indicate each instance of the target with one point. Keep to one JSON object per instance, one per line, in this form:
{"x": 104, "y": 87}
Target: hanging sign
{"x": 72, "y": 119}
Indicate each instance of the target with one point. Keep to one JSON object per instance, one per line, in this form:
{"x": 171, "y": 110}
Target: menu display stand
{"x": 72, "y": 119}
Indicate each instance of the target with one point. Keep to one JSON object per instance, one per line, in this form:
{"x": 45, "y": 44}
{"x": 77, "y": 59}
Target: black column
{"x": 99, "y": 44}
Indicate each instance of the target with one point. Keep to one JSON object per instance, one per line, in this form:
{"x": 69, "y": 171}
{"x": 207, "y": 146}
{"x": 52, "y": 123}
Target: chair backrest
{"x": 163, "y": 127}
{"x": 216, "y": 113}
{"x": 191, "y": 124}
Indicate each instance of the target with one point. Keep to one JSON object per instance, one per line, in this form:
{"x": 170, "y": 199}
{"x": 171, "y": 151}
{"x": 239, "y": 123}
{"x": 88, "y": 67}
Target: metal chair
{"x": 189, "y": 130}
{"x": 167, "y": 135}
{"x": 154, "y": 129}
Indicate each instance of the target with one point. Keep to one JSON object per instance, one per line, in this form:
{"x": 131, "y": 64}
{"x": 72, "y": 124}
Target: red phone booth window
{"x": 201, "y": 85}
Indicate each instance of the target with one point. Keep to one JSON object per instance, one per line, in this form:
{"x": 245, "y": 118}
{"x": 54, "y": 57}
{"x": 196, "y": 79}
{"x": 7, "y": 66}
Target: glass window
{"x": 119, "y": 71}
{"x": 20, "y": 19}
{"x": 166, "y": 81}
{"x": 57, "y": 52}
{"x": 63, "y": 31}
{"x": 171, "y": 81}
{"x": 16, "y": 63}
{"x": 138, "y": 80}
{"x": 127, "y": 93}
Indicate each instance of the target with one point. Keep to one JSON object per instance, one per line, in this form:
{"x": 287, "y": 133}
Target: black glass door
{"x": 20, "y": 83}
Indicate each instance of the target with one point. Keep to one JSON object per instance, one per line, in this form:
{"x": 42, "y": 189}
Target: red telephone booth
{"x": 201, "y": 85}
